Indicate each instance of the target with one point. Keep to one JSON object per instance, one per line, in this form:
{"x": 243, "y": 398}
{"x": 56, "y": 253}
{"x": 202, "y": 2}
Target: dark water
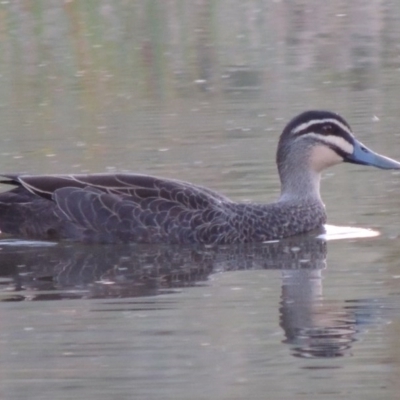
{"x": 162, "y": 322}
{"x": 200, "y": 91}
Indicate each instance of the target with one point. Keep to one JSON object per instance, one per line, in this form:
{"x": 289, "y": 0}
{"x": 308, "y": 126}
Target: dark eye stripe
{"x": 340, "y": 125}
{"x": 318, "y": 128}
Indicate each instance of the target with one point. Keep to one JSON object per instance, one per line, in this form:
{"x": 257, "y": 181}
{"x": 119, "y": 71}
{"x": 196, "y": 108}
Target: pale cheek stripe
{"x": 337, "y": 141}
{"x": 322, "y": 121}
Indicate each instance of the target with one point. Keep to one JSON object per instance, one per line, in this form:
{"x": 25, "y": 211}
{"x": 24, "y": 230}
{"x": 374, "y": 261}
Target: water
{"x": 200, "y": 91}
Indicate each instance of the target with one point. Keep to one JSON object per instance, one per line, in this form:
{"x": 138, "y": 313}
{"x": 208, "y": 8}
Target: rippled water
{"x": 200, "y": 91}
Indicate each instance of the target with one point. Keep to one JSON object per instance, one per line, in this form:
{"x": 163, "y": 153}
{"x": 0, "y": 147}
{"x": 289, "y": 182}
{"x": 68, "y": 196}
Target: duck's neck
{"x": 298, "y": 182}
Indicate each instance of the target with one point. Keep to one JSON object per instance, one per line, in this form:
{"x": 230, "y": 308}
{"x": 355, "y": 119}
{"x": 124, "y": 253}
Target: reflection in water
{"x": 314, "y": 329}
{"x": 76, "y": 271}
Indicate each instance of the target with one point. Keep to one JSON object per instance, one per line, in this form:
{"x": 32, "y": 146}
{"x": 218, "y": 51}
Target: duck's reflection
{"x": 312, "y": 327}
{"x": 76, "y": 271}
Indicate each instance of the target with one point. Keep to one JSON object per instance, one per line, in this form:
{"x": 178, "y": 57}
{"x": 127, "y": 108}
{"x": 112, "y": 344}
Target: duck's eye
{"x": 327, "y": 129}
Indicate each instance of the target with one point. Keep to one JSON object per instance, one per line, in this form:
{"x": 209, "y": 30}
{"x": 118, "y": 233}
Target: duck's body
{"x": 144, "y": 209}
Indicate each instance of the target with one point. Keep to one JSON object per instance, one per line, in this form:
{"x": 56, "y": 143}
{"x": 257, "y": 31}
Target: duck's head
{"x": 315, "y": 140}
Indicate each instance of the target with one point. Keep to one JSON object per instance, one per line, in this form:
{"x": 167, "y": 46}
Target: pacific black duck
{"x": 115, "y": 208}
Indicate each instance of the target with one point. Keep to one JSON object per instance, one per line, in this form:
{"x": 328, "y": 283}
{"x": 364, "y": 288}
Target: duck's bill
{"x": 363, "y": 155}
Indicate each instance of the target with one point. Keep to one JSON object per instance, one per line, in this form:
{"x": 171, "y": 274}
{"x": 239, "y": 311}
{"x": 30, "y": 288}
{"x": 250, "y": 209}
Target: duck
{"x": 137, "y": 208}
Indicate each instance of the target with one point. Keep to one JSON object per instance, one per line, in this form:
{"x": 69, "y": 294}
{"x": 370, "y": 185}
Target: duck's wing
{"x": 107, "y": 217}
{"x": 135, "y": 186}
{"x": 127, "y": 208}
